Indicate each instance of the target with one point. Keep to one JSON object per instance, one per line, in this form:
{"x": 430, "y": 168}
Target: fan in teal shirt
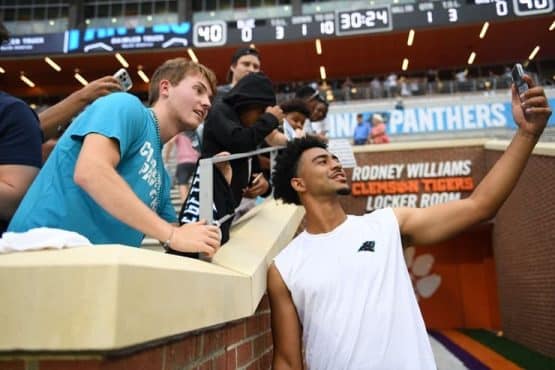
{"x": 105, "y": 179}
{"x": 55, "y": 200}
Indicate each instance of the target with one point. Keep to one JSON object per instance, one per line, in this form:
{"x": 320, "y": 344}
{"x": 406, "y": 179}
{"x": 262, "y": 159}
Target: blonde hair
{"x": 175, "y": 70}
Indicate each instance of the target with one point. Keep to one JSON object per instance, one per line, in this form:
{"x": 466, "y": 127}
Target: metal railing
{"x": 206, "y": 195}
{"x": 414, "y": 87}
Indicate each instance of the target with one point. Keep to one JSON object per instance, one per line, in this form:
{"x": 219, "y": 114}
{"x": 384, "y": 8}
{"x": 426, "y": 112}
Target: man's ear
{"x": 164, "y": 87}
{"x": 298, "y": 184}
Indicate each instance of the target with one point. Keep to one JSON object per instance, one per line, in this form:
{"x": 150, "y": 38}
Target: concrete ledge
{"x": 418, "y": 145}
{"x": 547, "y": 149}
{"x": 253, "y": 244}
{"x": 111, "y": 297}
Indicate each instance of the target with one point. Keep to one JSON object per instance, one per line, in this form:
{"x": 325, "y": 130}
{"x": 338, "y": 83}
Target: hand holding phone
{"x": 254, "y": 179}
{"x": 124, "y": 79}
{"x": 517, "y": 74}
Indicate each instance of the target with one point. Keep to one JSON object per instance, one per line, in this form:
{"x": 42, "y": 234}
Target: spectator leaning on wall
{"x": 105, "y": 178}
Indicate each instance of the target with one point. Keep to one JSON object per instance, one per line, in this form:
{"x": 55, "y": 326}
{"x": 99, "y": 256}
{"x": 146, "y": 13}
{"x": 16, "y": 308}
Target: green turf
{"x": 512, "y": 351}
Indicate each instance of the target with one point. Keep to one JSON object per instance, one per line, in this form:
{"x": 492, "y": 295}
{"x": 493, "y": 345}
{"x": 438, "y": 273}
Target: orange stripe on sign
{"x": 484, "y": 354}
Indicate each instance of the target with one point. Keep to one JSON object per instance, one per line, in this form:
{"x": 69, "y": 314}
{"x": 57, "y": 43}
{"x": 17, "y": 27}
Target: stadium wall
{"x": 244, "y": 344}
{"x": 523, "y": 243}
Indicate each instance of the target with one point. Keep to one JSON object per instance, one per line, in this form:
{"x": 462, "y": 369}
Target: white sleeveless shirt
{"x": 354, "y": 297}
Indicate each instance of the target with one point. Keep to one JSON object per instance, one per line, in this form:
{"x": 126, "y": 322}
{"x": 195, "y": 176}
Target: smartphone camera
{"x": 517, "y": 74}
{"x": 124, "y": 79}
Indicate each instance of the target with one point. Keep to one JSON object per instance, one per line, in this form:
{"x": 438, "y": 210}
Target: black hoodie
{"x": 223, "y": 130}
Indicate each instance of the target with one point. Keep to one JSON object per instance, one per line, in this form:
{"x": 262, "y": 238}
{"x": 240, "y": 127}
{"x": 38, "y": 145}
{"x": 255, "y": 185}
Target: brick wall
{"x": 244, "y": 344}
{"x": 524, "y": 250}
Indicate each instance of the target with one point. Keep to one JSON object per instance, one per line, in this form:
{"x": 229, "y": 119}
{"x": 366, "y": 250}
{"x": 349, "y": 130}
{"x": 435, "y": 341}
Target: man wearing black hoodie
{"x": 245, "y": 118}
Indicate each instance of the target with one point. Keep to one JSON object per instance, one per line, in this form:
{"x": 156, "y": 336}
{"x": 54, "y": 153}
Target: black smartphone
{"x": 517, "y": 74}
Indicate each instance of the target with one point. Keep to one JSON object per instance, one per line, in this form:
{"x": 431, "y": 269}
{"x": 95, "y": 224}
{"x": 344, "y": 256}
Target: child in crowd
{"x": 296, "y": 113}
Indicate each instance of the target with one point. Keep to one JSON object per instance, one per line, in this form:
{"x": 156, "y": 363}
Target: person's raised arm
{"x": 95, "y": 173}
{"x": 234, "y": 136}
{"x": 60, "y": 115}
{"x": 286, "y": 329}
{"x": 276, "y": 138}
{"x": 437, "y": 223}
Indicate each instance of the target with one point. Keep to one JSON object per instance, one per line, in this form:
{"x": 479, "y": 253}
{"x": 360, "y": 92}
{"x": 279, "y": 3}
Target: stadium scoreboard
{"x": 212, "y": 33}
{"x": 384, "y": 18}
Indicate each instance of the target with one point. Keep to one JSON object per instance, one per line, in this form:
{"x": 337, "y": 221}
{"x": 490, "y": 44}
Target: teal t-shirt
{"x": 54, "y": 200}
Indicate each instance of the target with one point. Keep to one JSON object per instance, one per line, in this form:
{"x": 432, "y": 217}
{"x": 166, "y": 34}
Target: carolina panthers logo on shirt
{"x": 367, "y": 246}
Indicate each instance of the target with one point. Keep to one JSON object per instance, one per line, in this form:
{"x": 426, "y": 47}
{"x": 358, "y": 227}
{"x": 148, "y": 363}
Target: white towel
{"x": 41, "y": 238}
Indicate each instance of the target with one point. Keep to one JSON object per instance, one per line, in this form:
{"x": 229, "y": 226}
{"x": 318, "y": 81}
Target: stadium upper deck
{"x": 298, "y": 40}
